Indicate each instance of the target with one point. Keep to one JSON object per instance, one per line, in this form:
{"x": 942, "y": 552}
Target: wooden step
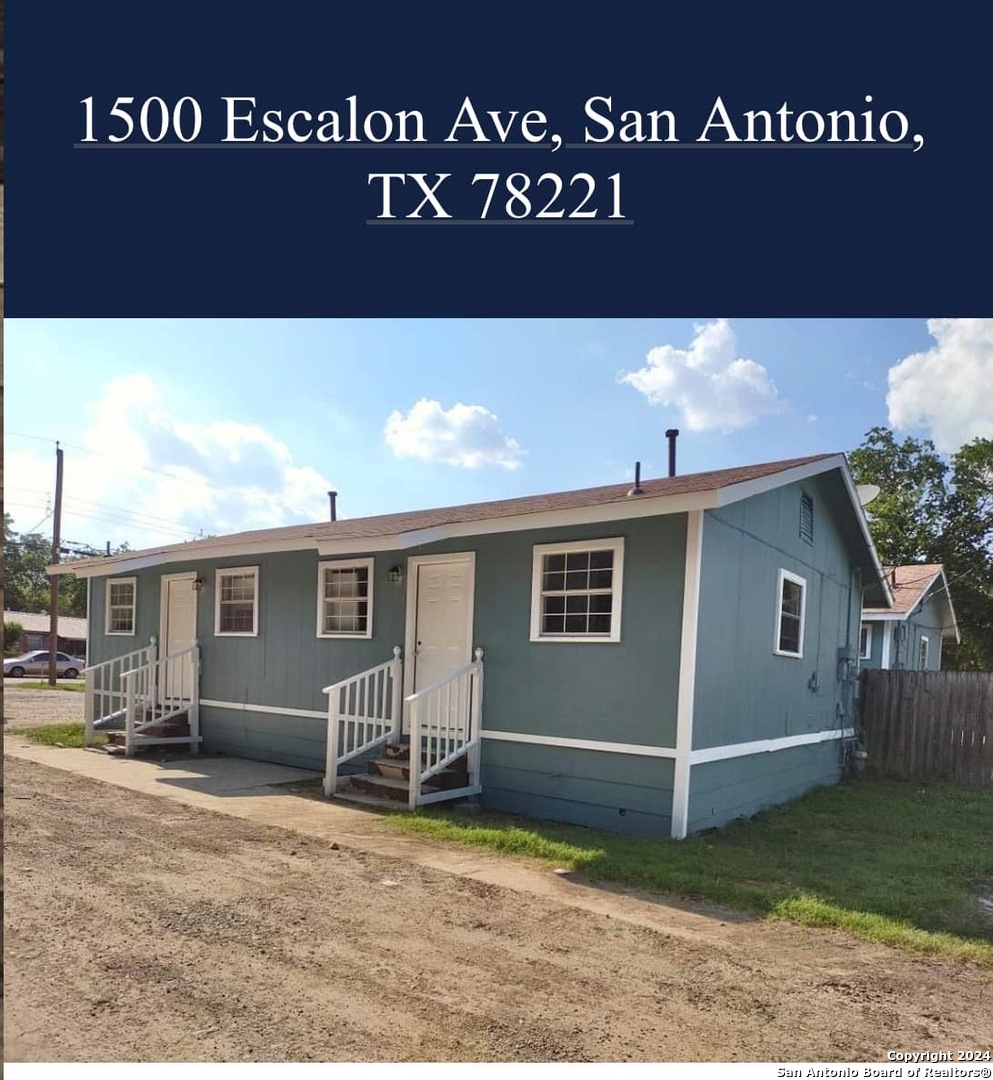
{"x": 455, "y": 776}
{"x": 385, "y": 787}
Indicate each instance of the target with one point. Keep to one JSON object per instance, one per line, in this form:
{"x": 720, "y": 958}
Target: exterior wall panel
{"x": 721, "y": 791}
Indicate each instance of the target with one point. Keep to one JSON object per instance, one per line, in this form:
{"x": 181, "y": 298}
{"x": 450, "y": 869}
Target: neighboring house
{"x": 38, "y": 630}
{"x": 908, "y": 635}
{"x": 657, "y": 660}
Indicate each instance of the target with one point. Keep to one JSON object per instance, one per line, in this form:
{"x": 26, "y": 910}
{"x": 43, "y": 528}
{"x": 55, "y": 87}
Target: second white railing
{"x": 364, "y": 711}
{"x": 445, "y": 722}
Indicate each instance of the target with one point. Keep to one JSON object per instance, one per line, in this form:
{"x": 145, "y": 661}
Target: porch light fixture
{"x": 395, "y": 575}
{"x": 198, "y": 585}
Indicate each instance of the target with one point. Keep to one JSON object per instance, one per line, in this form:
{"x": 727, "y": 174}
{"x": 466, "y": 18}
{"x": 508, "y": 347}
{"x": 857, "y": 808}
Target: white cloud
{"x": 150, "y": 476}
{"x": 465, "y": 435}
{"x": 947, "y": 389}
{"x": 708, "y": 383}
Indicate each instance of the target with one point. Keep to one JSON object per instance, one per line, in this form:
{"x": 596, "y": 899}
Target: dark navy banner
{"x": 294, "y": 159}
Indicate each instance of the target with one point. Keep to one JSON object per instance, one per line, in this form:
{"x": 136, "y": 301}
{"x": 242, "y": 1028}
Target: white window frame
{"x": 924, "y": 645}
{"x": 615, "y": 544}
{"x": 133, "y": 582}
{"x": 867, "y": 627}
{"x": 344, "y": 564}
{"x": 231, "y": 571}
{"x": 784, "y": 576}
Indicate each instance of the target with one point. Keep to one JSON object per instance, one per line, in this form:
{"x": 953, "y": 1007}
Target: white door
{"x": 178, "y": 630}
{"x": 439, "y": 618}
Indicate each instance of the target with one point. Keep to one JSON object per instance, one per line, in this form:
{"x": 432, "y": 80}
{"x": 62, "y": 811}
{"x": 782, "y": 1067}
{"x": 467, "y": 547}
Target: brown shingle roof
{"x": 409, "y": 521}
{"x": 908, "y": 583}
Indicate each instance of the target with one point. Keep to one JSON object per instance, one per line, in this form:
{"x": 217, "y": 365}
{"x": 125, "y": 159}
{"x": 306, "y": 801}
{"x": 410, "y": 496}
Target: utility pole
{"x": 53, "y": 646}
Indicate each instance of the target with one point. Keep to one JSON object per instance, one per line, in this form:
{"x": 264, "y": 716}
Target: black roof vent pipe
{"x": 637, "y": 489}
{"x": 672, "y": 434}
{"x": 333, "y": 497}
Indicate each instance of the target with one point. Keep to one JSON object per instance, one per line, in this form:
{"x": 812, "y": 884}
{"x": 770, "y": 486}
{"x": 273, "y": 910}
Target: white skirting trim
{"x": 765, "y": 746}
{"x": 581, "y": 744}
{"x": 697, "y": 757}
{"x": 242, "y": 706}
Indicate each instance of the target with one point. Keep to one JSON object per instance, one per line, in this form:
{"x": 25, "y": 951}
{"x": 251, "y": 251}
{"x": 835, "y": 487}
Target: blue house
{"x": 909, "y": 634}
{"x": 657, "y": 660}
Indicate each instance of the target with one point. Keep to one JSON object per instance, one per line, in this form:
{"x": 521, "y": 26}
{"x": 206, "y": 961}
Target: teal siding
{"x": 622, "y": 792}
{"x": 288, "y": 740}
{"x": 875, "y": 658}
{"x": 721, "y": 791}
{"x": 615, "y": 692}
{"x": 924, "y": 621}
{"x": 103, "y": 646}
{"x": 744, "y": 690}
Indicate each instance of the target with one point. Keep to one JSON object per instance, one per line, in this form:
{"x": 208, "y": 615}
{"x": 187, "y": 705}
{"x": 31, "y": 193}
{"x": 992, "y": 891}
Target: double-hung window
{"x": 119, "y": 616}
{"x": 576, "y": 591}
{"x": 790, "y": 614}
{"x": 236, "y": 607}
{"x": 344, "y": 599}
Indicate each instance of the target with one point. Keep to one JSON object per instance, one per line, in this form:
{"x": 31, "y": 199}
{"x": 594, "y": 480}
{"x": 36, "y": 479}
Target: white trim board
{"x": 635, "y": 749}
{"x": 687, "y": 674}
{"x": 276, "y": 710}
{"x": 766, "y": 746}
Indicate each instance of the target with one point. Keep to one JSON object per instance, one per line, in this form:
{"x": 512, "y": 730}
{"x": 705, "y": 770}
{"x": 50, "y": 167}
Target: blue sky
{"x": 172, "y": 428}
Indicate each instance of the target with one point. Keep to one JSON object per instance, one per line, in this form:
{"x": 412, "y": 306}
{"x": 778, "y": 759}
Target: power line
{"x": 120, "y": 460}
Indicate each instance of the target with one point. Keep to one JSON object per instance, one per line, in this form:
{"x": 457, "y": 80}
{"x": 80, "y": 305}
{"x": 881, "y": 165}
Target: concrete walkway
{"x": 246, "y": 789}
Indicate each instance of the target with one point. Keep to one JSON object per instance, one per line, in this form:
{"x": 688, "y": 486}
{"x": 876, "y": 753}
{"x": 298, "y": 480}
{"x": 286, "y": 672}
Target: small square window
{"x": 236, "y": 607}
{"x": 790, "y": 615}
{"x": 344, "y": 598}
{"x": 576, "y": 591}
{"x": 120, "y": 610}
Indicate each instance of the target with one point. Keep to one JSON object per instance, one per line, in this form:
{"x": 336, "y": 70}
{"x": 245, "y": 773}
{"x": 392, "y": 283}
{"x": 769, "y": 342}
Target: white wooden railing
{"x": 104, "y": 694}
{"x": 364, "y": 711}
{"x": 159, "y": 690}
{"x": 445, "y": 722}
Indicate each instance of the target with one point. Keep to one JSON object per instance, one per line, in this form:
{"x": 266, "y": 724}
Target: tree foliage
{"x": 26, "y": 584}
{"x": 933, "y": 510}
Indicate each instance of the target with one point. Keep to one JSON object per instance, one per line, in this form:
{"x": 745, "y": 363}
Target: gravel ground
{"x": 24, "y": 707}
{"x": 141, "y": 929}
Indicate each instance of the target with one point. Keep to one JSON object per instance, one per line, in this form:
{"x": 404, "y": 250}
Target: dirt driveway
{"x": 25, "y": 707}
{"x": 141, "y": 929}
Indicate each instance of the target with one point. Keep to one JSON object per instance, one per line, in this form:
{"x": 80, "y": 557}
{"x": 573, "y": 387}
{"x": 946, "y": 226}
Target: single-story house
{"x": 908, "y": 635}
{"x": 658, "y": 659}
{"x": 38, "y": 629}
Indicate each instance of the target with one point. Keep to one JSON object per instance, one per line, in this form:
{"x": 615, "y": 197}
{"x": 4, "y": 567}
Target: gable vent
{"x": 806, "y": 517}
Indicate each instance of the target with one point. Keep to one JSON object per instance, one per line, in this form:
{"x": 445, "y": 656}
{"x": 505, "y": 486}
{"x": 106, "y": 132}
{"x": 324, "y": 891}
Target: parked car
{"x": 36, "y": 663}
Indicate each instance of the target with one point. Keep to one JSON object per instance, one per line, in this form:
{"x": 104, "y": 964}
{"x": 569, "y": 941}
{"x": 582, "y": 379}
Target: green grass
{"x": 76, "y": 687}
{"x": 894, "y": 862}
{"x": 58, "y": 735}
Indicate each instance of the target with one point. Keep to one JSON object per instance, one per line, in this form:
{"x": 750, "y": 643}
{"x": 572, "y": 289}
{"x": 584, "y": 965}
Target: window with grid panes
{"x": 120, "y": 606}
{"x": 344, "y": 604}
{"x": 237, "y": 605}
{"x": 578, "y": 591}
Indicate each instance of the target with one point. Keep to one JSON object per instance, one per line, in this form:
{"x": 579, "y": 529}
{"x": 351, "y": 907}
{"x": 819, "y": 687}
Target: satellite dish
{"x": 866, "y": 493}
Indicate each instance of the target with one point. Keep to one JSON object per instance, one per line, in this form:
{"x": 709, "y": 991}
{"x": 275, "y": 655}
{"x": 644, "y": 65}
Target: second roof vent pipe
{"x": 672, "y": 434}
{"x": 637, "y": 489}
{"x": 333, "y": 497}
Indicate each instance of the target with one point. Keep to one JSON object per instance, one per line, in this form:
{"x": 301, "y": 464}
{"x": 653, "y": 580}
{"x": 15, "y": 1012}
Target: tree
{"x": 930, "y": 510}
{"x": 27, "y": 586}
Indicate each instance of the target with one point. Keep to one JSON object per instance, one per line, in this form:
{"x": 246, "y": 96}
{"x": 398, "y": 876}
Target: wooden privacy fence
{"x": 928, "y": 725}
